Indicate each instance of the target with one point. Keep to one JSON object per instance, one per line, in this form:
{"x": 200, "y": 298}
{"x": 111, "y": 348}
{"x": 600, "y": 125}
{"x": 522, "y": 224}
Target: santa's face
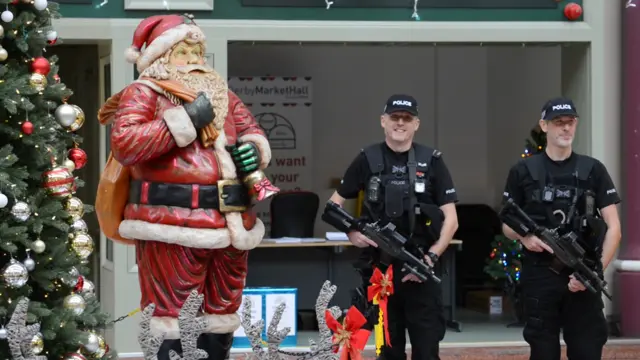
{"x": 185, "y": 54}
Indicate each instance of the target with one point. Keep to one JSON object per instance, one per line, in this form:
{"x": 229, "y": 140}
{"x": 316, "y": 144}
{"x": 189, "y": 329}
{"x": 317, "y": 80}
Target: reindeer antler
{"x": 149, "y": 343}
{"x": 19, "y": 334}
{"x": 253, "y": 331}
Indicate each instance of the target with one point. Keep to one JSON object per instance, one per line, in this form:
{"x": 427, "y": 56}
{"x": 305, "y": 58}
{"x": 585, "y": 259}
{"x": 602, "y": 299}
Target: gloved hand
{"x": 200, "y": 111}
{"x": 246, "y": 157}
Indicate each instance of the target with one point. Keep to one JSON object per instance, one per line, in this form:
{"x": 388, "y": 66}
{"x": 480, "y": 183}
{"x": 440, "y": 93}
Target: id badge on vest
{"x": 420, "y": 186}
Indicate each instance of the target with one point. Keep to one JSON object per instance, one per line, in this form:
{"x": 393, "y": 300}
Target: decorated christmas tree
{"x": 536, "y": 142}
{"x": 505, "y": 259}
{"x": 48, "y": 309}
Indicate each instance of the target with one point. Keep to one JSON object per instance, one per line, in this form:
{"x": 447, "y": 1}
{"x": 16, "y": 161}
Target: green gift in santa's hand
{"x": 246, "y": 157}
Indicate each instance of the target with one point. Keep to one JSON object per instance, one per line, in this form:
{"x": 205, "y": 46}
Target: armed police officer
{"x": 409, "y": 185}
{"x": 560, "y": 189}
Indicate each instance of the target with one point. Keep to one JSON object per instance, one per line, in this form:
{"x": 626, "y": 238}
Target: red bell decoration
{"x": 40, "y": 65}
{"x": 572, "y": 11}
{"x": 78, "y": 156}
{"x": 27, "y": 127}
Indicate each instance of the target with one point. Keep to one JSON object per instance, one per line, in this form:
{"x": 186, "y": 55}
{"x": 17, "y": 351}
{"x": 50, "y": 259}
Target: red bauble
{"x": 572, "y": 11}
{"x": 79, "y": 157}
{"x": 41, "y": 65}
{"x": 27, "y": 127}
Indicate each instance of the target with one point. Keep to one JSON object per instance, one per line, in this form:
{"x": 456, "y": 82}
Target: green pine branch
{"x": 24, "y": 158}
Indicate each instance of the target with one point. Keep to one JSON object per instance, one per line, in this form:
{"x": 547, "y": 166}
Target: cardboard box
{"x": 263, "y": 304}
{"x": 488, "y": 302}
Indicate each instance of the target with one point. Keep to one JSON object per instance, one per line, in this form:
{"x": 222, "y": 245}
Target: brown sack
{"x": 113, "y": 188}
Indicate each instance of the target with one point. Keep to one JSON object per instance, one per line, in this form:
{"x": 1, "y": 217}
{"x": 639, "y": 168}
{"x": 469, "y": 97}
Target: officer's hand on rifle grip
{"x": 533, "y": 243}
{"x": 359, "y": 240}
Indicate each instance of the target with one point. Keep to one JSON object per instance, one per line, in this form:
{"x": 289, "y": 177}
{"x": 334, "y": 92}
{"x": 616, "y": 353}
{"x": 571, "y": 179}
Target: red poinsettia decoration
{"x": 349, "y": 335}
{"x": 381, "y": 288}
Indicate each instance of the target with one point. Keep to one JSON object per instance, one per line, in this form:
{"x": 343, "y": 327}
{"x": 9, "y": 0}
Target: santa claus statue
{"x": 194, "y": 154}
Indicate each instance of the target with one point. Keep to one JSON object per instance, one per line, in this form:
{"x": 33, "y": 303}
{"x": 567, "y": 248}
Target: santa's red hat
{"x": 160, "y": 33}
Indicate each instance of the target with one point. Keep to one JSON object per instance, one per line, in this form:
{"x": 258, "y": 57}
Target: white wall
{"x": 477, "y": 104}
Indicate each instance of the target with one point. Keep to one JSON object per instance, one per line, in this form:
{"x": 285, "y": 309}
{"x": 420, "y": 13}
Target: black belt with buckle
{"x": 225, "y": 196}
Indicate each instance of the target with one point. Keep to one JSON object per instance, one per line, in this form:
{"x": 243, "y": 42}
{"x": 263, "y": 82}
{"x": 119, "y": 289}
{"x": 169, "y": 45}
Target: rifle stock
{"x": 386, "y": 237}
{"x": 565, "y": 248}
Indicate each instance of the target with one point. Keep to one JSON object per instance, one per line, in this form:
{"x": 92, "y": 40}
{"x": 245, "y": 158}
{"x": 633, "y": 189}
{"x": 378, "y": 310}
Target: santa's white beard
{"x": 198, "y": 78}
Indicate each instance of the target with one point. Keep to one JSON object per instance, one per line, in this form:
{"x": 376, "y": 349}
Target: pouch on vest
{"x": 395, "y": 192}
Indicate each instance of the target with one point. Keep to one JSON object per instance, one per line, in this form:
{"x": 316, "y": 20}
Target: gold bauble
{"x": 75, "y": 303}
{"x": 38, "y": 246}
{"x": 38, "y": 81}
{"x": 82, "y": 244}
{"x": 74, "y": 207}
{"x": 77, "y": 124}
{"x": 37, "y": 344}
{"x": 96, "y": 346}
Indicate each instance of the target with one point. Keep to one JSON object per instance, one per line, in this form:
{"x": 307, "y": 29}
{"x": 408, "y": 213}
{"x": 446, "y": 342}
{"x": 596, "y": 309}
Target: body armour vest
{"x": 402, "y": 193}
{"x": 561, "y": 202}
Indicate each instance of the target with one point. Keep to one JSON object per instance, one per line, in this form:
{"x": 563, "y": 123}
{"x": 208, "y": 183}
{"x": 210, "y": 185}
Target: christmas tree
{"x": 48, "y": 309}
{"x": 505, "y": 259}
{"x": 536, "y": 142}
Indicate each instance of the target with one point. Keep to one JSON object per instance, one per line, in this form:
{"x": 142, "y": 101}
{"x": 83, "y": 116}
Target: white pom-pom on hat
{"x": 132, "y": 54}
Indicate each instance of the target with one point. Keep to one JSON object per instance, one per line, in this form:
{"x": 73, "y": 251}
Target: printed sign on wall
{"x": 282, "y": 107}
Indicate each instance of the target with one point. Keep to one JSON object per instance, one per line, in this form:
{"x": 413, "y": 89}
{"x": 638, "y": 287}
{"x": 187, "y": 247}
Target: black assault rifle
{"x": 565, "y": 248}
{"x": 386, "y": 237}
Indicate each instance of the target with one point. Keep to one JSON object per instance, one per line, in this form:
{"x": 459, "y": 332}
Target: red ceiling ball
{"x": 572, "y": 11}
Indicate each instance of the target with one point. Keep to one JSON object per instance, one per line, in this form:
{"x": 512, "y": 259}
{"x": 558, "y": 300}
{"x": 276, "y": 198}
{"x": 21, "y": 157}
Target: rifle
{"x": 386, "y": 237}
{"x": 565, "y": 248}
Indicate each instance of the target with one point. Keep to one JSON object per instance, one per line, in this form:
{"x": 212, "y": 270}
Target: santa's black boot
{"x": 163, "y": 352}
{"x": 218, "y": 346}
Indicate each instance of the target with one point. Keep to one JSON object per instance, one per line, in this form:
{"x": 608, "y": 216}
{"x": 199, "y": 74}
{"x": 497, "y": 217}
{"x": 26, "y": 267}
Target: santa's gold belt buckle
{"x": 222, "y": 206}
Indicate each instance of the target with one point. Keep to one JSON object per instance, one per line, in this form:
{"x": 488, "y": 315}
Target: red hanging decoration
{"x": 56, "y": 77}
{"x": 41, "y": 65}
{"x": 572, "y": 11}
{"x": 382, "y": 287}
{"x": 27, "y": 127}
{"x": 349, "y": 335}
{"x": 78, "y": 156}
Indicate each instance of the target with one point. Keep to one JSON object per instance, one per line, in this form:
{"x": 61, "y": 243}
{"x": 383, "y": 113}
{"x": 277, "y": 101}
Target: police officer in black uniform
{"x": 409, "y": 185}
{"x": 562, "y": 190}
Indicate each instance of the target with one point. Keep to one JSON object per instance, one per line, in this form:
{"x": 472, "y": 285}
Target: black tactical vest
{"x": 559, "y": 202}
{"x": 402, "y": 193}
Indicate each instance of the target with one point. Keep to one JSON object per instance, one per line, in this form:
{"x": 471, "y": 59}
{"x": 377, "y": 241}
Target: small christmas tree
{"x": 505, "y": 259}
{"x": 535, "y": 143}
{"x": 48, "y": 309}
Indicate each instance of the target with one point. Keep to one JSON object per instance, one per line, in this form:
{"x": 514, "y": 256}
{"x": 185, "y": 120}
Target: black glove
{"x": 200, "y": 111}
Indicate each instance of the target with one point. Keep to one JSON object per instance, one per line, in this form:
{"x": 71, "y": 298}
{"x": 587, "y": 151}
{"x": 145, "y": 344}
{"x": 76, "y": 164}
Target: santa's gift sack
{"x": 111, "y": 199}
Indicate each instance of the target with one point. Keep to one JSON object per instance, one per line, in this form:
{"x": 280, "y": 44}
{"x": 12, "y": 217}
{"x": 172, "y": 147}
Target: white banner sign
{"x": 282, "y": 107}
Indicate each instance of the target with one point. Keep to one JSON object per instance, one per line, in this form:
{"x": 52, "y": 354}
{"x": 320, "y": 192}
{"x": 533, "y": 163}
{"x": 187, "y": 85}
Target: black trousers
{"x": 549, "y": 307}
{"x": 415, "y": 308}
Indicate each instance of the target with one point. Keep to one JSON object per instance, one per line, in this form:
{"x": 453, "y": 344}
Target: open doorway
{"x": 478, "y": 105}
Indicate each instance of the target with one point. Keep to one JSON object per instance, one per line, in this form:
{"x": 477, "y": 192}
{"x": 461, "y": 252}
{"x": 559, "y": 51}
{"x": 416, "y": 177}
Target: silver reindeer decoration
{"x": 20, "y": 335}
{"x": 191, "y": 326}
{"x": 322, "y": 350}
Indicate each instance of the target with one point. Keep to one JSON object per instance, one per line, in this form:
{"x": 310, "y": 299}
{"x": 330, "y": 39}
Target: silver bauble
{"x": 93, "y": 343}
{"x": 21, "y": 211}
{"x": 79, "y": 226}
{"x": 88, "y": 289}
{"x": 75, "y": 303}
{"x": 15, "y": 274}
{"x": 29, "y": 264}
{"x": 38, "y": 246}
{"x": 3, "y": 333}
{"x": 71, "y": 279}
{"x": 65, "y": 115}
